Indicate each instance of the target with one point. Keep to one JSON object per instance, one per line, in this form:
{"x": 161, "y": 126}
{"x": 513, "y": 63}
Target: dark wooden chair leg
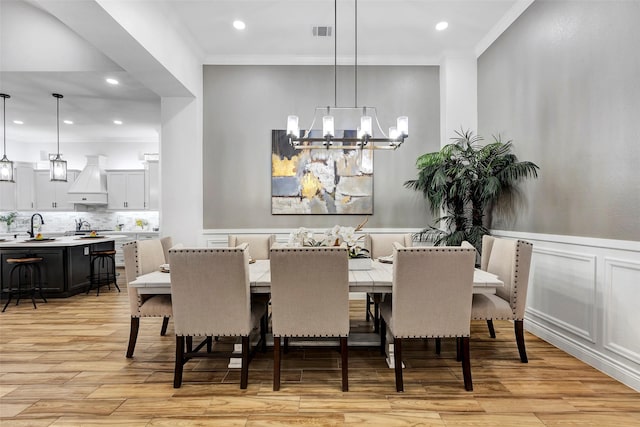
{"x": 519, "y": 329}
{"x": 244, "y": 372}
{"x": 438, "y": 345}
{"x": 492, "y": 331}
{"x": 165, "y": 323}
{"x": 264, "y": 324}
{"x": 466, "y": 364}
{"x": 189, "y": 344}
{"x": 133, "y": 336}
{"x": 276, "y": 363}
{"x": 177, "y": 375}
{"x": 397, "y": 354}
{"x": 458, "y": 350}
{"x": 209, "y": 344}
{"x": 344, "y": 352}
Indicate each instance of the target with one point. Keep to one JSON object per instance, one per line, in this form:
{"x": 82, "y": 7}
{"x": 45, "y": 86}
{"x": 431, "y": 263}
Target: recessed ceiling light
{"x": 18, "y": 122}
{"x": 239, "y": 25}
{"x": 68, "y": 122}
{"x": 442, "y": 25}
{"x": 117, "y": 122}
{"x": 111, "y": 81}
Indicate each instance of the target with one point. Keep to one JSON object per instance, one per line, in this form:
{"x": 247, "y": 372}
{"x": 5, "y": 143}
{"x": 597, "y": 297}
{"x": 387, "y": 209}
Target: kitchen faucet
{"x": 41, "y": 223}
{"x": 80, "y": 222}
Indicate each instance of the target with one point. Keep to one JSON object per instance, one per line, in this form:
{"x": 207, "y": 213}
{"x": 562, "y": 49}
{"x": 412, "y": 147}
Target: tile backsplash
{"x": 66, "y": 221}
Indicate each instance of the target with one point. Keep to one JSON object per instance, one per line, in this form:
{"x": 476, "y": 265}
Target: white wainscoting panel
{"x": 584, "y": 298}
{"x": 622, "y": 308}
{"x": 565, "y": 290}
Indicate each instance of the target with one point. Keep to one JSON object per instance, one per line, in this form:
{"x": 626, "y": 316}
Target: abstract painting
{"x": 318, "y": 181}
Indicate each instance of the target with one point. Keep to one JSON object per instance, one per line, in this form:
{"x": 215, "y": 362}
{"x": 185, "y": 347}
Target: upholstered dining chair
{"x": 310, "y": 298}
{"x": 141, "y": 257}
{"x": 431, "y": 298}
{"x": 212, "y": 298}
{"x": 381, "y": 245}
{"x": 259, "y": 244}
{"x": 510, "y": 260}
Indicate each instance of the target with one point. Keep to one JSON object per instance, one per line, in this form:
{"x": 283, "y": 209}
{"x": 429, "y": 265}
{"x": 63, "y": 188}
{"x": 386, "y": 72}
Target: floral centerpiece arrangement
{"x": 336, "y": 236}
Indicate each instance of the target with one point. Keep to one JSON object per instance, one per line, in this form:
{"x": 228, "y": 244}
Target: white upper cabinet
{"x": 25, "y": 187}
{"x": 152, "y": 185}
{"x": 126, "y": 189}
{"x": 52, "y": 195}
{"x": 7, "y": 196}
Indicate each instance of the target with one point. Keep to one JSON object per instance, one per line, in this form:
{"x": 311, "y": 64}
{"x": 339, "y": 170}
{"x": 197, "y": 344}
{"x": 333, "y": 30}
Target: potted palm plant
{"x": 467, "y": 180}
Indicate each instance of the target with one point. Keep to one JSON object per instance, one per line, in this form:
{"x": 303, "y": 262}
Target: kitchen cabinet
{"x": 25, "y": 187}
{"x": 52, "y": 195}
{"x": 152, "y": 185}
{"x": 126, "y": 189}
{"x": 7, "y": 196}
{"x": 65, "y": 269}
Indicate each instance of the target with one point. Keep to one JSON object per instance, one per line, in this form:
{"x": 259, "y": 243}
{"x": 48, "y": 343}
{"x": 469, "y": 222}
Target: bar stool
{"x": 103, "y": 270}
{"x": 28, "y": 268}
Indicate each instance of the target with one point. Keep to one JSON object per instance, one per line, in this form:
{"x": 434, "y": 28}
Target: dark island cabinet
{"x": 65, "y": 270}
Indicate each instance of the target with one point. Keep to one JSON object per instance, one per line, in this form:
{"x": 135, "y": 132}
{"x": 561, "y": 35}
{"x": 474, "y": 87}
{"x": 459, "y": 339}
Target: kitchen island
{"x": 66, "y": 261}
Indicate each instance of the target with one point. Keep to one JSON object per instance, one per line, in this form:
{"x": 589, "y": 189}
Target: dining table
{"x": 378, "y": 279}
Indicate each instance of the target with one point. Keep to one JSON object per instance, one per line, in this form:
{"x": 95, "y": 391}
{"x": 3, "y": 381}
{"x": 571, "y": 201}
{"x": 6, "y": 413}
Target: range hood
{"x": 90, "y": 187}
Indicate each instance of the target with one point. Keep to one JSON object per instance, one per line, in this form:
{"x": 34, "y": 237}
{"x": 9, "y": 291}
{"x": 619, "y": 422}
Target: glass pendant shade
{"x": 292, "y": 126}
{"x": 393, "y": 132}
{"x": 365, "y": 126}
{"x": 6, "y": 166}
{"x": 327, "y": 126}
{"x": 403, "y": 125}
{"x": 58, "y": 169}
{"x": 6, "y": 169}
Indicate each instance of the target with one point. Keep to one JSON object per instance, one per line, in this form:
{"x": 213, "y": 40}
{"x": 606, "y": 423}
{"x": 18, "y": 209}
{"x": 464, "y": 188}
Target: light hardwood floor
{"x": 64, "y": 365}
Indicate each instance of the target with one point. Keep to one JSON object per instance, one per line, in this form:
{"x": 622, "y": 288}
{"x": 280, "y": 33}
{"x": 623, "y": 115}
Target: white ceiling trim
{"x": 500, "y": 27}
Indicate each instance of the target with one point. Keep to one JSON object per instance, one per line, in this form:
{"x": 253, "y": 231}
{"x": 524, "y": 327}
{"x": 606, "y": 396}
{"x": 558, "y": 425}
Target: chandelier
{"x": 364, "y": 136}
{"x": 6, "y": 165}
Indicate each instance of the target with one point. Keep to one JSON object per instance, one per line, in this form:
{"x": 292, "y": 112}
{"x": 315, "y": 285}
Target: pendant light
{"x": 57, "y": 166}
{"x": 6, "y": 166}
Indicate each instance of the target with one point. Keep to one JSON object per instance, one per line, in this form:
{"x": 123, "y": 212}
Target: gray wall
{"x": 242, "y": 104}
{"x": 564, "y": 83}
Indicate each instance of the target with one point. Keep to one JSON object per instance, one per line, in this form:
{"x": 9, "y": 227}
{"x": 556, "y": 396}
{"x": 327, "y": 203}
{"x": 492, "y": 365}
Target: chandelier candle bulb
{"x": 403, "y": 125}
{"x": 393, "y": 132}
{"x": 327, "y": 126}
{"x": 292, "y": 126}
{"x": 365, "y": 125}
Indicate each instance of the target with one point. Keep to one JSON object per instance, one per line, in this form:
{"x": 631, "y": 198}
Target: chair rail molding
{"x": 582, "y": 298}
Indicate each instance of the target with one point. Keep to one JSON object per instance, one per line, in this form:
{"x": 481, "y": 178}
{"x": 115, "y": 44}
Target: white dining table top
{"x": 377, "y": 280}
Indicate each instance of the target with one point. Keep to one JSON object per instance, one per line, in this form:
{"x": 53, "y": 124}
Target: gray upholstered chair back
{"x": 167, "y": 243}
{"x": 210, "y": 291}
{"x": 432, "y": 291}
{"x": 140, "y": 257}
{"x": 310, "y": 292}
{"x": 259, "y": 244}
{"x": 380, "y": 245}
{"x": 510, "y": 260}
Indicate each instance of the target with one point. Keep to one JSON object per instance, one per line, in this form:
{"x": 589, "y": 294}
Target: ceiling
{"x": 277, "y": 32}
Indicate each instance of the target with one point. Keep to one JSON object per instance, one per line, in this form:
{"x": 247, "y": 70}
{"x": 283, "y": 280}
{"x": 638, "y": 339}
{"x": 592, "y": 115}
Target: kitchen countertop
{"x": 62, "y": 241}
